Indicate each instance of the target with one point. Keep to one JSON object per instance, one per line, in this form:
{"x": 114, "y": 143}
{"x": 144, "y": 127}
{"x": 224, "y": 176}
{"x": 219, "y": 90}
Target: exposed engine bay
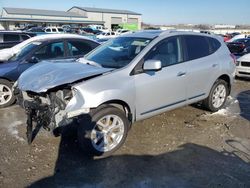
{"x": 45, "y": 109}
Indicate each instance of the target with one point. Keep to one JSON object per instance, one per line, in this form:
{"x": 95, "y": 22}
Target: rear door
{"x": 202, "y": 66}
{"x": 159, "y": 91}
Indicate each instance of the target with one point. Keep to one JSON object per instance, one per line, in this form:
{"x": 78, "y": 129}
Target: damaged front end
{"x": 46, "y": 92}
{"x": 45, "y": 110}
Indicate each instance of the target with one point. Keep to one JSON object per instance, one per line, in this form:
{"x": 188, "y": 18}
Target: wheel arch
{"x": 226, "y": 78}
{"x": 122, "y": 105}
{"x": 7, "y": 79}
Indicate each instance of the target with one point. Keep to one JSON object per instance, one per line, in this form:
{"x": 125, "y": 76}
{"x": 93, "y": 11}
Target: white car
{"x": 98, "y": 27}
{"x": 54, "y": 30}
{"x": 243, "y": 66}
{"x": 102, "y": 35}
{"x": 241, "y": 36}
{"x": 122, "y": 31}
{"x": 7, "y": 53}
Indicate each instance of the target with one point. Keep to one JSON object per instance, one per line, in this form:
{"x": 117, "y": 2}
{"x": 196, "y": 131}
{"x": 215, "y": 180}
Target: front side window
{"x": 118, "y": 52}
{"x": 25, "y": 50}
{"x": 197, "y": 46}
{"x": 50, "y": 51}
{"x": 169, "y": 52}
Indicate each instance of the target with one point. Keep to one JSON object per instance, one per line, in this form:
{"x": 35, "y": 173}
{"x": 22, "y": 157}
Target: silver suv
{"x": 127, "y": 79}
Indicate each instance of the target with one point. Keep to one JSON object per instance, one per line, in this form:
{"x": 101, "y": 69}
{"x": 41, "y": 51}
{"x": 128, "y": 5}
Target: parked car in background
{"x": 239, "y": 46}
{"x": 236, "y": 37}
{"x": 36, "y": 30}
{"x": 121, "y": 31}
{"x": 103, "y": 40}
{"x": 127, "y": 79}
{"x": 227, "y": 37}
{"x": 243, "y": 66}
{"x": 98, "y": 27}
{"x": 7, "y": 53}
{"x": 102, "y": 35}
{"x": 66, "y": 28}
{"x": 9, "y": 39}
{"x": 90, "y": 30}
{"x": 58, "y": 47}
{"x": 53, "y": 30}
{"x": 27, "y": 27}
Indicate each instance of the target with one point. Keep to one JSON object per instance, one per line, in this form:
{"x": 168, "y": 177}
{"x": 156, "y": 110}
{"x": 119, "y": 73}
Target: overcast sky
{"x": 157, "y": 11}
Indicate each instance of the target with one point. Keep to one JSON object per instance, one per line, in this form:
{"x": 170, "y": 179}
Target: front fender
{"x": 83, "y": 101}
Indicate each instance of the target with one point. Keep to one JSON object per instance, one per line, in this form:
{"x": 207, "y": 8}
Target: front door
{"x": 159, "y": 91}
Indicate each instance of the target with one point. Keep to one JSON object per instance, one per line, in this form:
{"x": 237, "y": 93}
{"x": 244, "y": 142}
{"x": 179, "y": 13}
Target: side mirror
{"x": 152, "y": 65}
{"x": 33, "y": 59}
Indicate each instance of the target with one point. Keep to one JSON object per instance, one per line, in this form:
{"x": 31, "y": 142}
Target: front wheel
{"x": 6, "y": 95}
{"x": 103, "y": 131}
{"x": 217, "y": 96}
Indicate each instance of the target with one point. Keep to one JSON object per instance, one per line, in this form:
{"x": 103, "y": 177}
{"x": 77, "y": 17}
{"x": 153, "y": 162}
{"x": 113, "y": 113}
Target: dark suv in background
{"x": 239, "y": 47}
{"x": 9, "y": 39}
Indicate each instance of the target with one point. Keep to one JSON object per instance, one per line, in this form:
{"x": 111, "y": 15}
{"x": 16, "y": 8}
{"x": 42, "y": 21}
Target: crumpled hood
{"x": 46, "y": 75}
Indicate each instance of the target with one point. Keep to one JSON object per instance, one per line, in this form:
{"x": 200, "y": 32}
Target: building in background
{"x": 112, "y": 18}
{"x": 16, "y": 18}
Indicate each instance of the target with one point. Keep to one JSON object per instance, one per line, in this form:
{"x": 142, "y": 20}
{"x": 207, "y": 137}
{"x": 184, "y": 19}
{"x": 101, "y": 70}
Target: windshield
{"x": 24, "y": 51}
{"x": 118, "y": 52}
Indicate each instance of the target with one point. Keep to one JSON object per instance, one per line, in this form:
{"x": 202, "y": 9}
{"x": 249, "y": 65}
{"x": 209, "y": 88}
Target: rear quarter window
{"x": 196, "y": 47}
{"x": 214, "y": 44}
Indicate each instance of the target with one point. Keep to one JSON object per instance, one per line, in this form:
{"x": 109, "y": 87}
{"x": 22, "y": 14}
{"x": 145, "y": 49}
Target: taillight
{"x": 242, "y": 45}
{"x": 234, "y": 58}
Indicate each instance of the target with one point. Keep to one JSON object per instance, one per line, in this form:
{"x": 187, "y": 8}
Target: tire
{"x": 7, "y": 97}
{"x": 95, "y": 125}
{"x": 209, "y": 103}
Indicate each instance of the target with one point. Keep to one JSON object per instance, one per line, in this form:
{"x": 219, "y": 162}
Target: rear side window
{"x": 214, "y": 44}
{"x": 11, "y": 38}
{"x": 197, "y": 47}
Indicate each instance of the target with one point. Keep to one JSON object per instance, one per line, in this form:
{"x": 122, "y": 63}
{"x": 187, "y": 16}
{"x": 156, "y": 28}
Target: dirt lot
{"x": 187, "y": 147}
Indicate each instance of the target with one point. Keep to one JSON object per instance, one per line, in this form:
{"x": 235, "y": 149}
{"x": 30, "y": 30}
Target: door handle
{"x": 181, "y": 74}
{"x": 215, "y": 65}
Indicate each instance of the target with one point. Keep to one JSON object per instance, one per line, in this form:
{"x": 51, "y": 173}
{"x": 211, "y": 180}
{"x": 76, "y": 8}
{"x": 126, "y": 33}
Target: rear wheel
{"x": 217, "y": 97}
{"x": 6, "y": 95}
{"x": 103, "y": 131}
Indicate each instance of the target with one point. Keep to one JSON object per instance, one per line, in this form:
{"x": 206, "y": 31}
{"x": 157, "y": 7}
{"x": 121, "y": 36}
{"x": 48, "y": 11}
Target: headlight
{"x": 237, "y": 63}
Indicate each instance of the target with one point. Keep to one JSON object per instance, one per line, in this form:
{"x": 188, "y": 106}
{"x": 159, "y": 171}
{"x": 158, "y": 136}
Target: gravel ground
{"x": 187, "y": 147}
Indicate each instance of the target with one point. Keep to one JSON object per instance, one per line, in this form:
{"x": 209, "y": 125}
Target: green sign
{"x": 129, "y": 26}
